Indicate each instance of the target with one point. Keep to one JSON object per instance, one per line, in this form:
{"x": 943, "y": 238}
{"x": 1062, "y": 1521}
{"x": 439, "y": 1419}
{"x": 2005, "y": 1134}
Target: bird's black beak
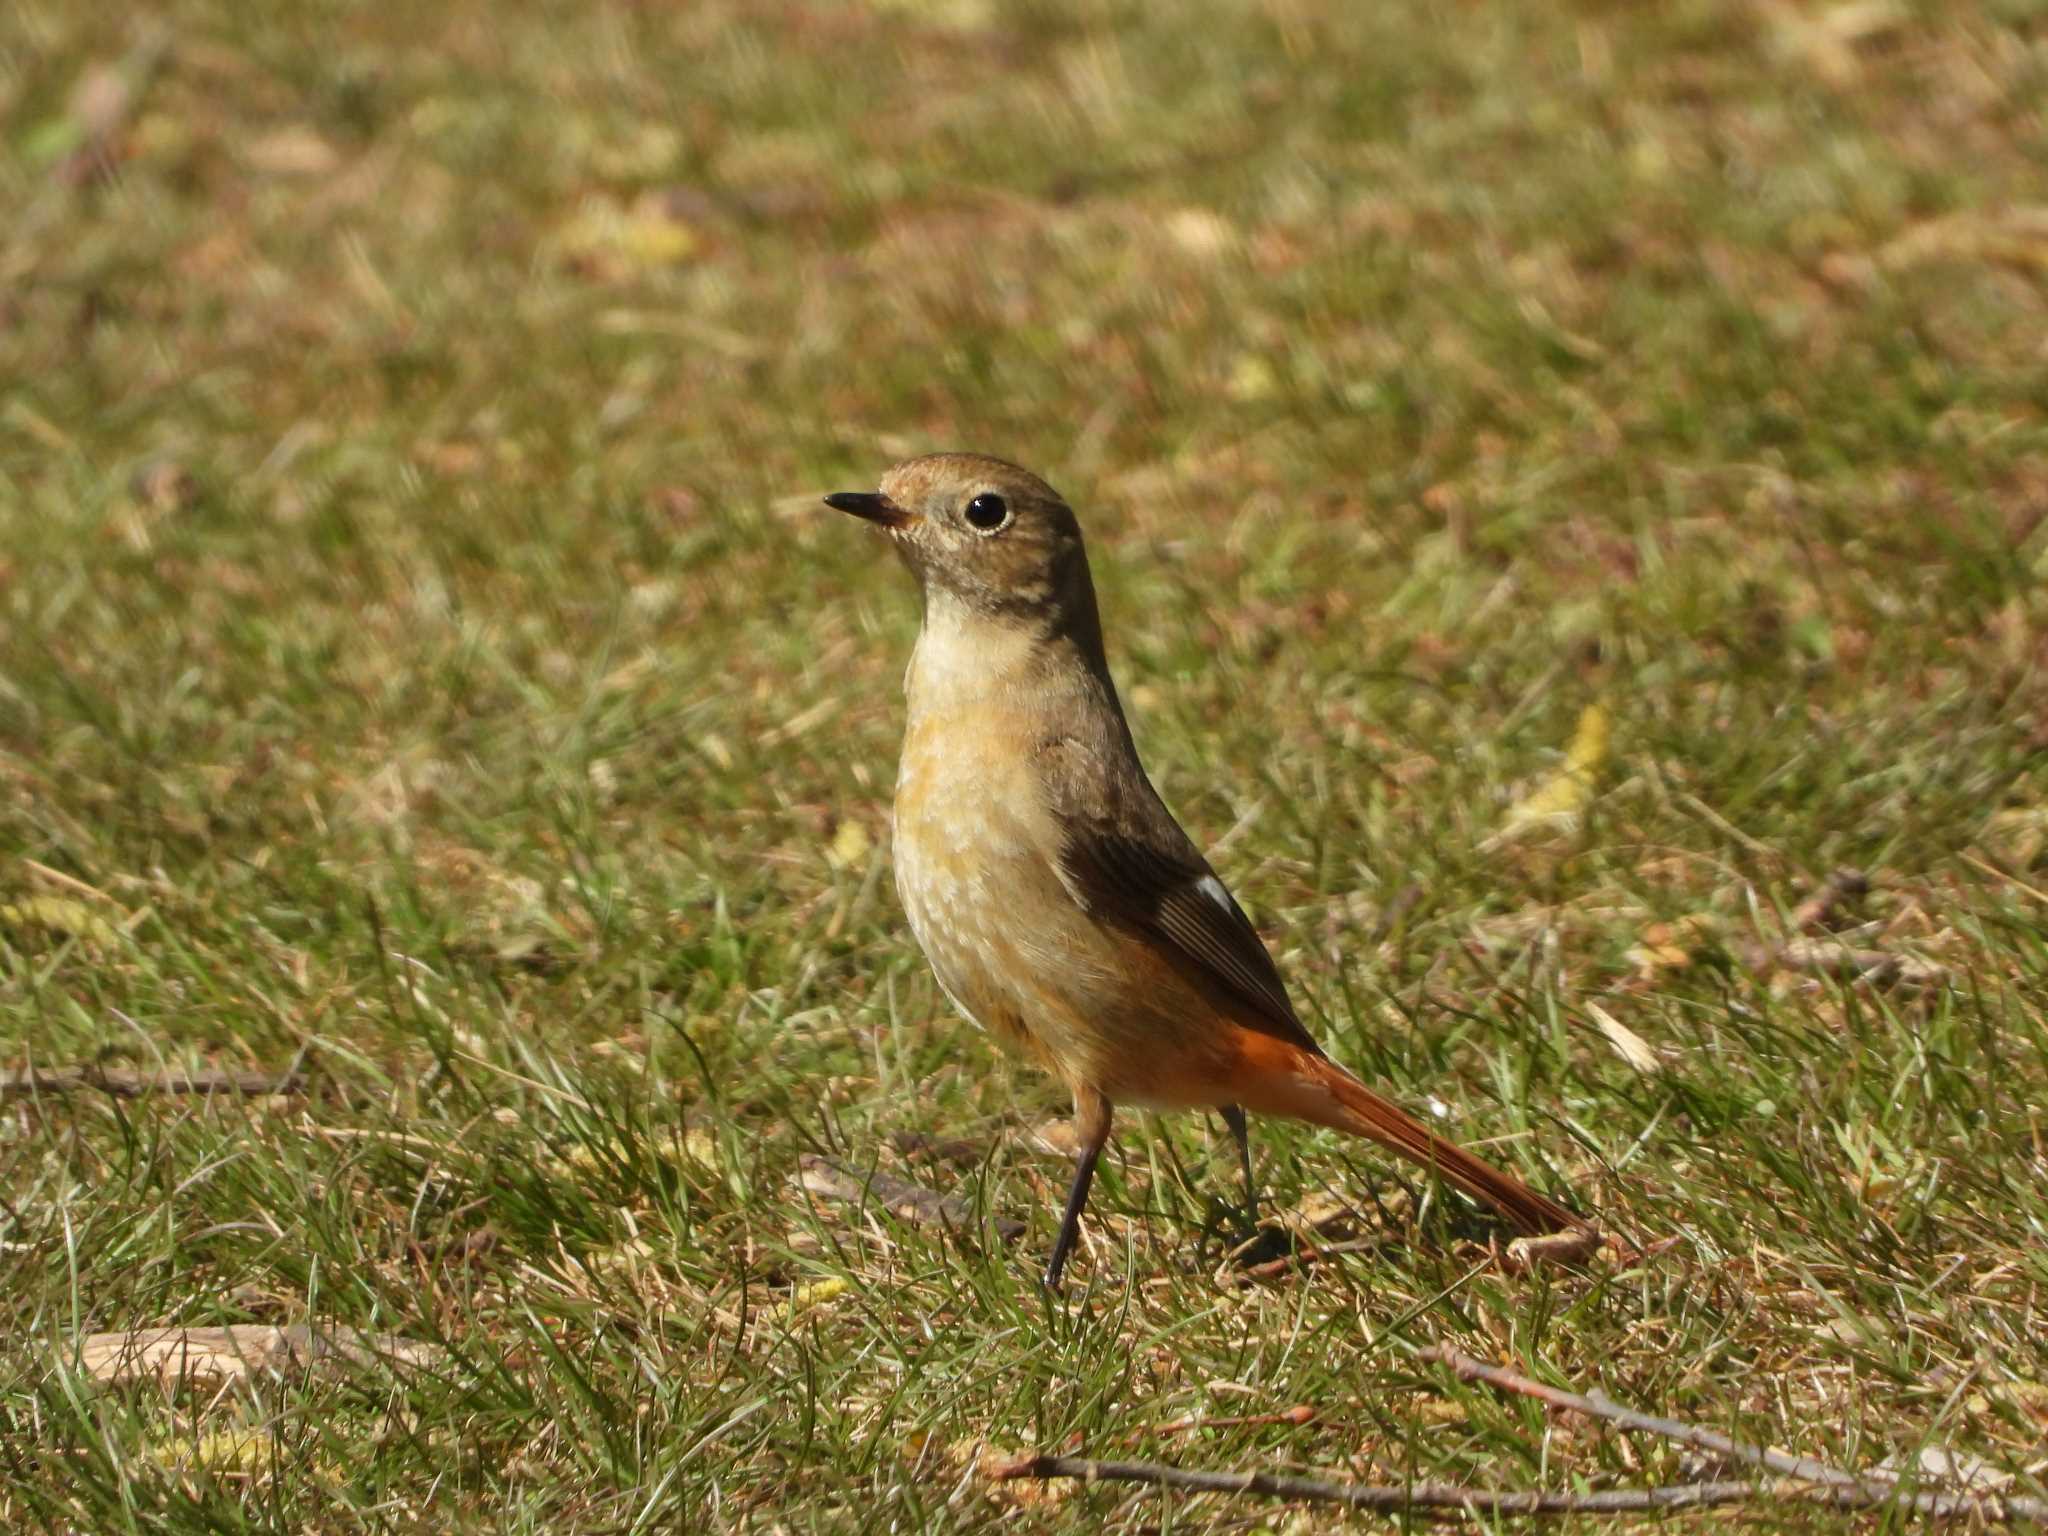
{"x": 872, "y": 505}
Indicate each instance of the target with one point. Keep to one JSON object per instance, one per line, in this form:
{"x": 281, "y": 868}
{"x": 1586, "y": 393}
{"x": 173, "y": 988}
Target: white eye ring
{"x": 987, "y": 513}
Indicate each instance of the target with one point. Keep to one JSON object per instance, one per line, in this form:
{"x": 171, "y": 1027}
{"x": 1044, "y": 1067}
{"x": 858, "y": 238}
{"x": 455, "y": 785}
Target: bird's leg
{"x": 1233, "y": 1116}
{"x": 1091, "y": 1125}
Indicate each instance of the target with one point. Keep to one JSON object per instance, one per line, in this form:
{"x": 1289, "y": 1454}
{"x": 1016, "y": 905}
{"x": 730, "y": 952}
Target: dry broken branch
{"x": 1807, "y": 950}
{"x": 1799, "y": 1477}
{"x": 1606, "y": 1408}
{"x": 1844, "y": 884}
{"x": 1478, "y": 1501}
{"x": 1827, "y": 1484}
{"x": 908, "y": 1202}
{"x": 27, "y": 1082}
{"x": 1515, "y": 1501}
{"x": 1300, "y": 1414}
{"x": 1827, "y": 957}
{"x": 944, "y": 1149}
{"x": 1306, "y": 1255}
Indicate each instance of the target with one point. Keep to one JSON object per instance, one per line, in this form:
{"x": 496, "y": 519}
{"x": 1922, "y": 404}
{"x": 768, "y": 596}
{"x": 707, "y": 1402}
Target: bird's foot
{"x": 1261, "y": 1245}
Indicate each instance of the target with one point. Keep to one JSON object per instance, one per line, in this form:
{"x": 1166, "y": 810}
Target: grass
{"x": 421, "y": 656}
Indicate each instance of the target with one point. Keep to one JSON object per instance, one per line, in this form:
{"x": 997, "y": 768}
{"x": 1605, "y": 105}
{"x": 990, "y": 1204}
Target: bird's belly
{"x": 976, "y": 901}
{"x": 1017, "y": 954}
{"x": 974, "y": 871}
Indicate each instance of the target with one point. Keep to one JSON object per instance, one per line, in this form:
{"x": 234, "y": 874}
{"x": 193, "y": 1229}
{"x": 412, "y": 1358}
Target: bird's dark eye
{"x": 987, "y": 512}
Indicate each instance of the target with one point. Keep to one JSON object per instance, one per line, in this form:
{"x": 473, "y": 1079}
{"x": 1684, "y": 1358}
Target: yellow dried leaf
{"x": 575, "y": 1162}
{"x": 229, "y": 1451}
{"x": 611, "y": 241}
{"x": 701, "y": 1147}
{"x": 849, "y": 847}
{"x": 958, "y": 15}
{"x": 1561, "y": 799}
{"x": 650, "y": 150}
{"x": 1848, "y": 1330}
{"x": 1251, "y": 378}
{"x": 807, "y": 1296}
{"x": 1319, "y": 1213}
{"x": 60, "y": 915}
{"x": 2016, "y": 236}
{"x": 2018, "y": 836}
{"x": 1201, "y": 232}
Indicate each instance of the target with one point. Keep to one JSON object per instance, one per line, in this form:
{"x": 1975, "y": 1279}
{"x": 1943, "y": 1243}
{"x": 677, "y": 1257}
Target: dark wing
{"x": 1126, "y": 861}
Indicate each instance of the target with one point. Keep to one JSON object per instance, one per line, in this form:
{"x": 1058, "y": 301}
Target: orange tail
{"x": 1323, "y": 1093}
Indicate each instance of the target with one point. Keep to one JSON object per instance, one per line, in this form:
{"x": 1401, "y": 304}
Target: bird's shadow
{"x": 1229, "y": 1234}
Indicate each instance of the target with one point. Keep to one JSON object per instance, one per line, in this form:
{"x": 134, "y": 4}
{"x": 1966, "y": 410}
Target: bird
{"x": 1060, "y": 905}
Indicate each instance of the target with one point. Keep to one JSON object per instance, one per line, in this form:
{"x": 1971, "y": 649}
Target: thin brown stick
{"x": 1301, "y": 1413}
{"x": 906, "y": 1201}
{"x": 1824, "y": 957}
{"x": 956, "y": 1150}
{"x": 1856, "y": 1492}
{"x": 28, "y": 1082}
{"x": 1844, "y": 884}
{"x": 1606, "y": 1408}
{"x": 1304, "y": 1256}
{"x": 2007, "y": 876}
{"x": 1802, "y": 1479}
{"x": 1513, "y": 1501}
{"x": 1810, "y": 949}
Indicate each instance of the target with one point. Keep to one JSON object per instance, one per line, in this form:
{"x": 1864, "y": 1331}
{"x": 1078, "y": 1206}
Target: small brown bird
{"x": 1060, "y": 904}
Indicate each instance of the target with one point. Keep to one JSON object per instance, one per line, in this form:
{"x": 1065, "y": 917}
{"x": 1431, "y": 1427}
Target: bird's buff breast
{"x": 973, "y": 869}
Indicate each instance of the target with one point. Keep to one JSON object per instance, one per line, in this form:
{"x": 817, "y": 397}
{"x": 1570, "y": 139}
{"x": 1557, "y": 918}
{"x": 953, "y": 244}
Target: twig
{"x": 1606, "y": 1408}
{"x": 1834, "y": 955}
{"x": 1843, "y": 884}
{"x": 1301, "y": 1413}
{"x": 1801, "y": 1477}
{"x": 1500, "y": 1501}
{"x": 1824, "y": 957}
{"x": 1848, "y": 1491}
{"x": 1307, "y": 1254}
{"x": 1728, "y": 828}
{"x": 918, "y": 1144}
{"x": 2007, "y": 876}
{"x": 910, "y": 1202}
{"x": 27, "y": 1082}
{"x": 58, "y": 878}
{"x": 1513, "y": 1501}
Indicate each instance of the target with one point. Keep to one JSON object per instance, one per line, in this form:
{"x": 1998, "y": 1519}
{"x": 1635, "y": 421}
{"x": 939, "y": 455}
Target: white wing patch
{"x": 1212, "y": 888}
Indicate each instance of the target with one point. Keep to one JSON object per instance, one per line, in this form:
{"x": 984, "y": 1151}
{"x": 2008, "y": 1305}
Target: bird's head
{"x": 984, "y": 533}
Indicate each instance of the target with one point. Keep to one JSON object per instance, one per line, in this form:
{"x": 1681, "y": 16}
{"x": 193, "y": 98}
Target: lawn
{"x": 1562, "y": 482}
